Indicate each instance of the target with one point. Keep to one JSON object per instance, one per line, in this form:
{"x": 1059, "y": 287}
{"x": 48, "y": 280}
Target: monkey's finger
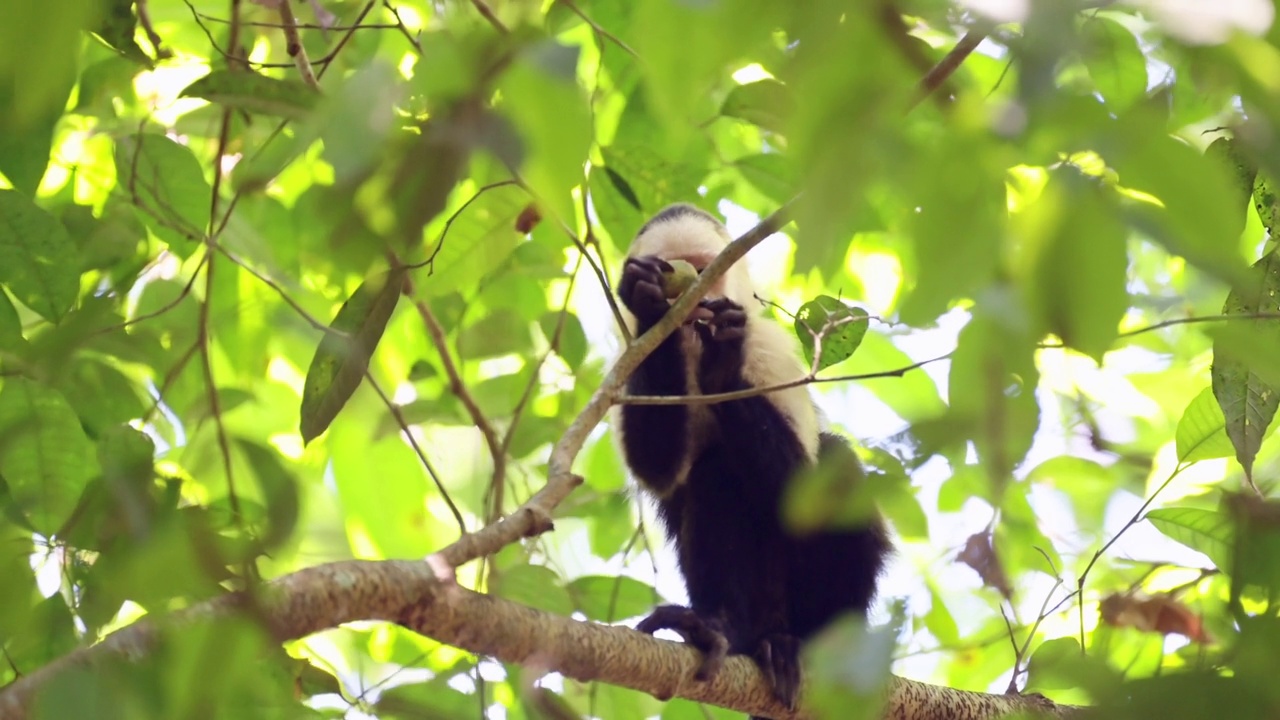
{"x": 721, "y": 304}
{"x": 730, "y": 317}
{"x": 653, "y": 263}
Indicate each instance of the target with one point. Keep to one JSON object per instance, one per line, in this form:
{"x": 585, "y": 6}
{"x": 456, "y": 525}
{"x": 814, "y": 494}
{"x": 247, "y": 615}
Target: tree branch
{"x": 410, "y": 594}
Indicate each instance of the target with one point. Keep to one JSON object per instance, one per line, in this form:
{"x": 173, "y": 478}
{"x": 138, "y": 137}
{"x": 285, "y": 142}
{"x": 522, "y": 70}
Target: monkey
{"x": 718, "y": 471}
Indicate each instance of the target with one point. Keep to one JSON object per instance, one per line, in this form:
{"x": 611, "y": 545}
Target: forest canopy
{"x": 286, "y": 287}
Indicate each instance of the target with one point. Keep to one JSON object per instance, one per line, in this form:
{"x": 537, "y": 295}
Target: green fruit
{"x": 681, "y": 276}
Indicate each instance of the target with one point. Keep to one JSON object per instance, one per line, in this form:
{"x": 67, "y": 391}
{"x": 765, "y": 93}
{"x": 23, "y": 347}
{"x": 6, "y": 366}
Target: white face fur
{"x": 692, "y": 235}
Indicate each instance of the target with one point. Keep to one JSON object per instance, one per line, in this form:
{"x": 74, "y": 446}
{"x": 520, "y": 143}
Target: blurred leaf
{"x": 46, "y": 459}
{"x": 610, "y": 599}
{"x": 543, "y": 101}
{"x": 766, "y": 103}
{"x": 1082, "y": 245}
{"x": 572, "y": 340}
{"x": 534, "y": 586}
{"x": 497, "y": 333}
{"x": 37, "y": 258}
{"x": 771, "y": 174}
{"x": 340, "y": 361}
{"x": 992, "y": 383}
{"x": 279, "y": 489}
{"x": 1244, "y": 174}
{"x": 255, "y": 93}
{"x": 481, "y": 237}
{"x": 1115, "y": 62}
{"x": 166, "y": 182}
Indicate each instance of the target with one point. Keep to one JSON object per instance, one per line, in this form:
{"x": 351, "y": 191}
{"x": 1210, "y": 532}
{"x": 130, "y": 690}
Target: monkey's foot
{"x": 778, "y": 656}
{"x": 697, "y": 631}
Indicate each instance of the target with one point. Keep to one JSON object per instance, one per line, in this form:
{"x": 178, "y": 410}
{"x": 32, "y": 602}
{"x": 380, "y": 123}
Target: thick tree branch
{"x": 409, "y": 594}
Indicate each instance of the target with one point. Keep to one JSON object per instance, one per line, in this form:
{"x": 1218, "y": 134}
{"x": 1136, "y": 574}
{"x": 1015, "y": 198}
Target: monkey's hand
{"x": 720, "y": 369}
{"x": 778, "y": 656}
{"x": 640, "y": 288}
{"x": 697, "y": 631}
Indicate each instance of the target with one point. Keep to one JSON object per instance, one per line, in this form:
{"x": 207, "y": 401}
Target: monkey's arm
{"x": 761, "y": 452}
{"x": 654, "y": 437}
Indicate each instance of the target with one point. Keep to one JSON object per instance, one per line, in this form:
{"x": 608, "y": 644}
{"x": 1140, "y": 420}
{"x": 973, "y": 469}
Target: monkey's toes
{"x": 696, "y": 631}
{"x": 778, "y": 656}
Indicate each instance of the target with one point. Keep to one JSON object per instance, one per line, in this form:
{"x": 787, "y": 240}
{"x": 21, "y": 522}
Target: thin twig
{"x": 1137, "y": 516}
{"x": 144, "y": 19}
{"x": 602, "y": 278}
{"x": 596, "y": 28}
{"x": 487, "y": 12}
{"x": 404, "y": 29}
{"x": 430, "y": 260}
{"x": 293, "y": 44}
{"x": 398, "y": 414}
{"x": 948, "y": 65}
{"x": 753, "y": 392}
{"x": 459, "y": 389}
{"x": 553, "y": 346}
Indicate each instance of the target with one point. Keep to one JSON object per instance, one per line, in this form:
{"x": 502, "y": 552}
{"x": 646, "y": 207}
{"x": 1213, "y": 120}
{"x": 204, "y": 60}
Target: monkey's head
{"x": 685, "y": 232}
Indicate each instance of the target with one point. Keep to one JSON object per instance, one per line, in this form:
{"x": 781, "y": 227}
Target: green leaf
{"x": 914, "y": 396}
{"x": 481, "y": 237}
{"x": 255, "y": 93}
{"x": 535, "y": 586}
{"x": 1048, "y": 661}
{"x": 770, "y": 173}
{"x": 118, "y": 27}
{"x": 956, "y": 228}
{"x": 610, "y": 599}
{"x": 47, "y": 460}
{"x": 1114, "y": 60}
{"x": 1246, "y": 181}
{"x": 550, "y": 110}
{"x": 1248, "y": 399}
{"x": 497, "y": 333}
{"x": 616, "y": 206}
{"x": 657, "y": 169}
{"x": 1194, "y": 218}
{"x": 340, "y": 361}
{"x": 1078, "y": 241}
{"x": 992, "y": 384}
{"x": 1206, "y": 531}
{"x": 1265, "y": 201}
{"x": 939, "y": 620}
{"x": 279, "y": 489}
{"x": 766, "y": 103}
{"x": 830, "y": 324}
{"x": 572, "y": 344}
{"x": 166, "y": 182}
{"x": 1202, "y": 429}
{"x": 11, "y": 338}
{"x": 37, "y": 257}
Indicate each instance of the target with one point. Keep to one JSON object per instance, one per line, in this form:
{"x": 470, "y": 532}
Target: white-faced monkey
{"x": 718, "y": 471}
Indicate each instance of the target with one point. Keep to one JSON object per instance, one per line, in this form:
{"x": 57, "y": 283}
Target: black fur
{"x": 753, "y": 587}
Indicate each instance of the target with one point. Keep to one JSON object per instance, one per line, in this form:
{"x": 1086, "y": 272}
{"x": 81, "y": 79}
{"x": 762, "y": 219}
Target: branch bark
{"x": 410, "y": 594}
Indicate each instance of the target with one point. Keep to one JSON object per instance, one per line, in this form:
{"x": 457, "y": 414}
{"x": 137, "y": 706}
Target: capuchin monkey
{"x": 718, "y": 471}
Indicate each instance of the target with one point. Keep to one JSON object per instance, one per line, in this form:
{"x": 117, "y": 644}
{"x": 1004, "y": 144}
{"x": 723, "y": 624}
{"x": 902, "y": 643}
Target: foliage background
{"x": 1046, "y": 221}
